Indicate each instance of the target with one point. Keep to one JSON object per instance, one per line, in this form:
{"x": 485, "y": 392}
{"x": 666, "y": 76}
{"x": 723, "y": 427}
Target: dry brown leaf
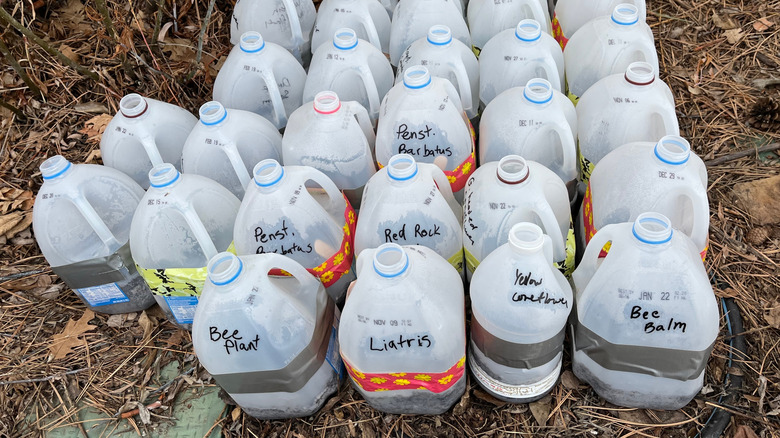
{"x": 541, "y": 410}
{"x": 94, "y": 127}
{"x": 70, "y": 53}
{"x": 236, "y": 413}
{"x": 146, "y": 324}
{"x": 724, "y": 23}
{"x": 20, "y": 226}
{"x": 15, "y": 199}
{"x": 762, "y": 24}
{"x": 9, "y": 221}
{"x": 181, "y": 49}
{"x": 734, "y": 35}
{"x": 744, "y": 432}
{"x": 116, "y": 321}
{"x": 569, "y": 380}
{"x": 773, "y": 316}
{"x": 64, "y": 343}
{"x": 482, "y": 395}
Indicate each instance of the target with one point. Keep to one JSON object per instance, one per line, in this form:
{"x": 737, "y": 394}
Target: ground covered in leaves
{"x": 720, "y": 58}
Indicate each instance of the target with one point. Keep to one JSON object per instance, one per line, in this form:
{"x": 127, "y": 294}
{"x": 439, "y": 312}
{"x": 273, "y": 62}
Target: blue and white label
{"x": 103, "y": 295}
{"x": 182, "y": 308}
{"x": 333, "y": 356}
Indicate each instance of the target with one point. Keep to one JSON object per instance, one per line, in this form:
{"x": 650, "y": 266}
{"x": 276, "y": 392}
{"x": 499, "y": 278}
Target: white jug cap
{"x": 640, "y": 73}
{"x": 268, "y": 172}
{"x": 526, "y": 237}
{"x": 212, "y": 113}
{"x": 625, "y": 14}
{"x": 538, "y": 91}
{"x": 345, "y": 39}
{"x": 652, "y": 228}
{"x": 401, "y": 167}
{"x": 326, "y": 102}
{"x": 512, "y": 169}
{"x": 528, "y": 30}
{"x": 439, "y": 35}
{"x": 390, "y": 260}
{"x": 417, "y": 76}
{"x": 133, "y": 105}
{"x": 224, "y": 268}
{"x": 163, "y": 175}
{"x": 673, "y": 149}
{"x": 54, "y": 167}
{"x": 251, "y": 42}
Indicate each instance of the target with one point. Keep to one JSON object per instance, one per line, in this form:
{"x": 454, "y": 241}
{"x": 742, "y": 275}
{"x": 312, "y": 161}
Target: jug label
{"x": 420, "y": 139}
{"x": 434, "y": 382}
{"x": 182, "y": 308}
{"x": 514, "y": 391}
{"x": 103, "y": 295}
{"x": 655, "y": 321}
{"x": 280, "y": 239}
{"x": 401, "y": 342}
{"x": 232, "y": 340}
{"x": 333, "y": 355}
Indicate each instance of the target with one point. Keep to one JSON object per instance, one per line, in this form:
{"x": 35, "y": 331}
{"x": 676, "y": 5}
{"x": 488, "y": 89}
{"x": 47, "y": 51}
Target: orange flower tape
{"x": 434, "y": 382}
{"x": 557, "y": 32}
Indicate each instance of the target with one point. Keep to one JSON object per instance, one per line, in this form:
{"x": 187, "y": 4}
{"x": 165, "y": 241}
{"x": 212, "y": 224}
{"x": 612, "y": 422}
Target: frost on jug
{"x": 287, "y": 23}
{"x": 143, "y": 134}
{"x": 646, "y": 317}
{"x": 182, "y": 221}
{"x": 269, "y": 341}
{"x": 410, "y": 203}
{"x": 446, "y": 58}
{"x": 336, "y": 138}
{"x": 261, "y": 77}
{"x": 298, "y": 212}
{"x": 403, "y": 334}
{"x": 514, "y": 190}
{"x": 489, "y": 17}
{"x": 413, "y": 18}
{"x": 520, "y": 304}
{"x": 535, "y": 122}
{"x": 607, "y": 45}
{"x": 352, "y": 68}
{"x": 623, "y": 108}
{"x": 664, "y": 177}
{"x": 368, "y": 18}
{"x": 573, "y": 14}
{"x": 423, "y": 117}
{"x": 226, "y": 145}
{"x": 515, "y": 56}
{"x": 81, "y": 220}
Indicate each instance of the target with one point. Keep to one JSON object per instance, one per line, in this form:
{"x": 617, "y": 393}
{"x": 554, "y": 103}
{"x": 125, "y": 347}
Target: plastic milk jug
{"x": 607, "y": 45}
{"x": 143, "y": 134}
{"x": 279, "y": 215}
{"x": 182, "y": 221}
{"x": 411, "y": 203}
{"x": 368, "y": 18}
{"x": 536, "y": 122}
{"x": 503, "y": 193}
{"x": 261, "y": 77}
{"x": 423, "y": 117}
{"x": 449, "y": 59}
{"x": 520, "y": 304}
{"x": 268, "y": 341}
{"x": 226, "y": 145}
{"x": 334, "y": 137}
{"x": 664, "y": 177}
{"x": 403, "y": 333}
{"x": 623, "y": 108}
{"x": 573, "y": 14}
{"x": 287, "y": 23}
{"x": 81, "y": 220}
{"x": 352, "y": 68}
{"x": 515, "y": 56}
{"x": 646, "y": 317}
{"x": 413, "y": 18}
{"x": 489, "y": 17}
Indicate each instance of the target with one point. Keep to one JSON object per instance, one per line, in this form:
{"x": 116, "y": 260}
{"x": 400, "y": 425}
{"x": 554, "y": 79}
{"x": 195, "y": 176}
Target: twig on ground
{"x": 19, "y": 275}
{"x": 202, "y": 35}
{"x": 743, "y": 153}
{"x": 44, "y": 379}
{"x": 20, "y": 71}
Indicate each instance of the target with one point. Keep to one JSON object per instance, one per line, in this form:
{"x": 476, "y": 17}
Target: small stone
{"x": 761, "y": 199}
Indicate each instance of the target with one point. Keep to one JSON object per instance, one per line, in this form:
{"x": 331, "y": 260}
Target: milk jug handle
{"x": 568, "y": 147}
{"x": 552, "y": 74}
{"x": 445, "y": 189}
{"x": 552, "y": 230}
{"x": 95, "y": 222}
{"x": 363, "y": 119}
{"x": 671, "y": 126}
{"x": 701, "y": 212}
{"x": 371, "y": 90}
{"x": 276, "y": 97}
{"x": 231, "y": 150}
{"x": 200, "y": 232}
{"x": 589, "y": 263}
{"x": 291, "y": 266}
{"x": 539, "y": 14}
{"x": 464, "y": 85}
{"x": 150, "y": 147}
{"x": 336, "y": 207}
{"x": 547, "y": 249}
{"x": 295, "y": 26}
{"x": 649, "y": 54}
{"x": 373, "y": 35}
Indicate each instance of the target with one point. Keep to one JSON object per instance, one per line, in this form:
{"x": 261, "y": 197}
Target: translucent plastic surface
{"x": 413, "y": 18}
{"x": 366, "y": 17}
{"x": 573, "y": 14}
{"x": 489, "y": 17}
{"x": 287, "y": 23}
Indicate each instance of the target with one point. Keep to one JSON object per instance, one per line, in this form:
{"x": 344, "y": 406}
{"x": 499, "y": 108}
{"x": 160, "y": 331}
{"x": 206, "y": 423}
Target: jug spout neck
{"x": 439, "y": 36}
{"x": 513, "y": 170}
{"x": 133, "y": 106}
{"x": 417, "y": 77}
{"x": 538, "y": 91}
{"x": 326, "y": 103}
{"x": 212, "y": 113}
{"x": 164, "y": 175}
{"x": 224, "y": 268}
{"x": 526, "y": 238}
{"x": 268, "y": 174}
{"x": 653, "y": 229}
{"x": 672, "y": 150}
{"x": 390, "y": 260}
{"x": 402, "y": 168}
{"x": 528, "y": 30}
{"x": 56, "y": 167}
{"x": 640, "y": 73}
{"x": 345, "y": 39}
{"x": 625, "y": 14}
{"x": 251, "y": 42}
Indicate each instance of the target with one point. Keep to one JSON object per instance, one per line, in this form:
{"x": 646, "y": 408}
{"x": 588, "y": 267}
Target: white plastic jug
{"x": 446, "y": 58}
{"x": 368, "y": 18}
{"x": 403, "y": 333}
{"x": 226, "y": 145}
{"x": 623, "y": 108}
{"x": 607, "y": 45}
{"x": 573, "y": 14}
{"x": 81, "y": 220}
{"x": 410, "y": 203}
{"x": 336, "y": 138}
{"x": 489, "y": 17}
{"x": 279, "y": 215}
{"x": 503, "y": 193}
{"x": 536, "y": 122}
{"x": 515, "y": 56}
{"x": 352, "y": 68}
{"x": 287, "y": 23}
{"x": 261, "y": 77}
{"x": 182, "y": 221}
{"x": 520, "y": 304}
{"x": 664, "y": 177}
{"x": 646, "y": 316}
{"x": 269, "y": 342}
{"x": 143, "y": 134}
{"x": 413, "y": 18}
{"x": 423, "y": 117}
{"x": 389, "y": 6}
